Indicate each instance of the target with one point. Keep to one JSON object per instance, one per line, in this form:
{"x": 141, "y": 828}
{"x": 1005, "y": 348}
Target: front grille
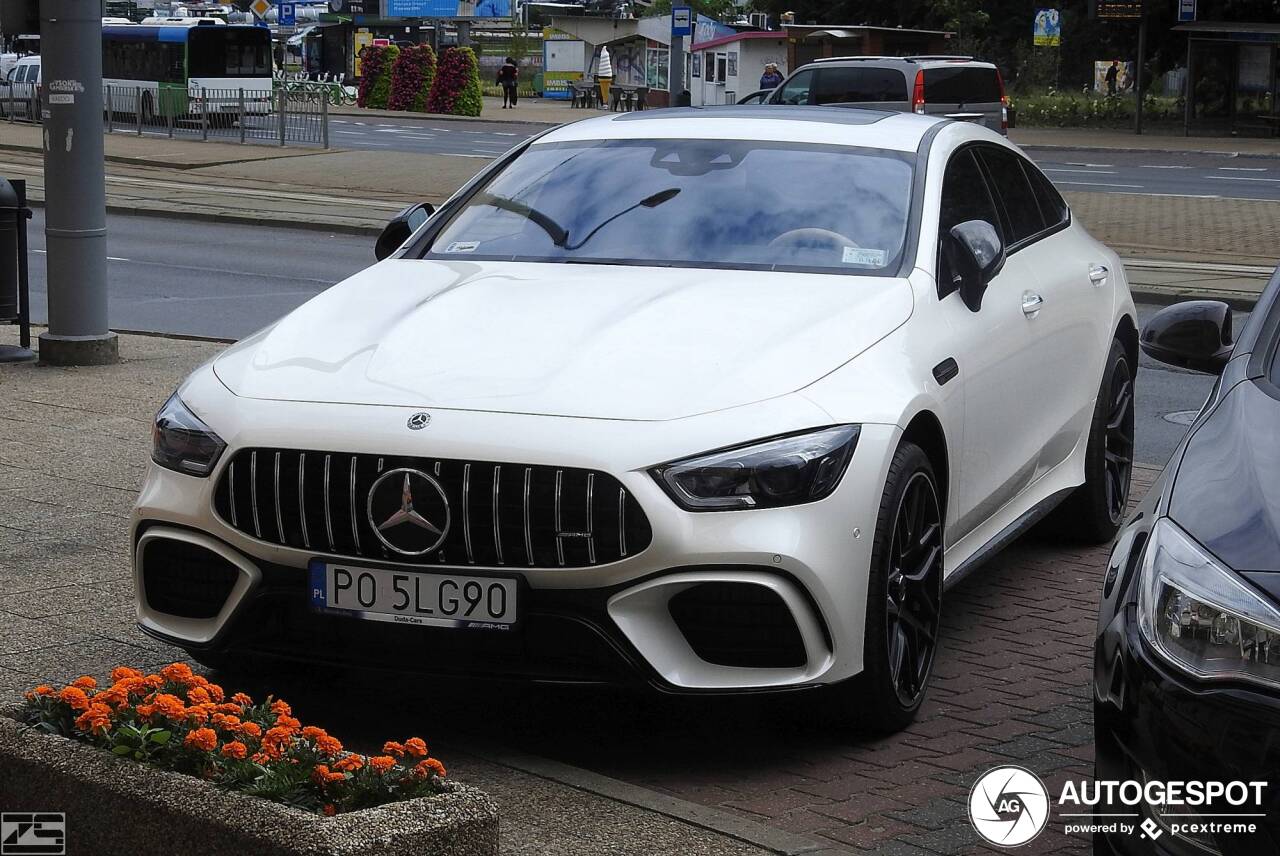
{"x": 185, "y": 579}
{"x": 738, "y": 624}
{"x": 500, "y": 514}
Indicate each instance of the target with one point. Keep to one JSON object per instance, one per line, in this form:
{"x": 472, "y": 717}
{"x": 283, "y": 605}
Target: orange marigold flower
{"x": 178, "y": 673}
{"x": 227, "y": 723}
{"x": 330, "y": 809}
{"x": 330, "y": 746}
{"x": 201, "y": 738}
{"x": 153, "y": 681}
{"x": 235, "y": 749}
{"x": 242, "y": 700}
{"x": 260, "y": 757}
{"x": 74, "y": 697}
{"x": 288, "y": 722}
{"x": 198, "y": 695}
{"x": 426, "y": 766}
{"x": 228, "y": 707}
{"x": 115, "y": 695}
{"x": 85, "y": 682}
{"x": 381, "y": 763}
{"x": 311, "y": 732}
{"x": 281, "y": 708}
{"x": 252, "y": 729}
{"x": 350, "y": 763}
{"x": 416, "y": 746}
{"x": 391, "y": 747}
{"x": 121, "y": 673}
{"x": 43, "y": 689}
{"x": 169, "y": 705}
{"x": 323, "y": 775}
{"x": 216, "y": 692}
{"x": 435, "y": 766}
{"x": 96, "y": 719}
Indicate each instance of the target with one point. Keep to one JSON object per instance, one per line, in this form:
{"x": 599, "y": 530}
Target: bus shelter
{"x": 1232, "y": 78}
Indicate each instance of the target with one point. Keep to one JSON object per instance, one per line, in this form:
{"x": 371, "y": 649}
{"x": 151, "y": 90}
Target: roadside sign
{"x": 1047, "y": 30}
{"x": 260, "y": 8}
{"x": 1119, "y": 9}
{"x": 681, "y": 21}
{"x": 288, "y": 15}
{"x": 1186, "y": 10}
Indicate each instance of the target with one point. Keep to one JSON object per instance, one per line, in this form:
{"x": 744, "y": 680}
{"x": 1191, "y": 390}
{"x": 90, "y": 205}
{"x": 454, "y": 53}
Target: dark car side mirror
{"x": 1194, "y": 334}
{"x": 977, "y": 255}
{"x": 400, "y": 227}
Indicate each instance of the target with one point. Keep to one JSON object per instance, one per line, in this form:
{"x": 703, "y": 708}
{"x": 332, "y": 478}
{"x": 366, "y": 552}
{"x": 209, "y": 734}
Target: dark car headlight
{"x": 787, "y": 470}
{"x": 1202, "y": 616}
{"x": 180, "y": 441}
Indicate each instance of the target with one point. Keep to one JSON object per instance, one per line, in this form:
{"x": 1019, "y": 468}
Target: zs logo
{"x": 33, "y": 833}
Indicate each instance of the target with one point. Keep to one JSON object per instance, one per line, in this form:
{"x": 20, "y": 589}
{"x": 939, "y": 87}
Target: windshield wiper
{"x": 652, "y": 201}
{"x": 559, "y": 234}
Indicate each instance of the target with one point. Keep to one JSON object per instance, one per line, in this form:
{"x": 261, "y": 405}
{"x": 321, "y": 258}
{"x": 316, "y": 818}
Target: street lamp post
{"x": 75, "y": 186}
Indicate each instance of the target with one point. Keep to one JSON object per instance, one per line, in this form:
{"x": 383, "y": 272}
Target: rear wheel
{"x": 1094, "y": 512}
{"x": 904, "y": 598}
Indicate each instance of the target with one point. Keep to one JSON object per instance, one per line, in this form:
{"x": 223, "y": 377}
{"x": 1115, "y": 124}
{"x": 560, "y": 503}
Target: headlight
{"x": 1202, "y": 616}
{"x": 180, "y": 441}
{"x": 765, "y": 474}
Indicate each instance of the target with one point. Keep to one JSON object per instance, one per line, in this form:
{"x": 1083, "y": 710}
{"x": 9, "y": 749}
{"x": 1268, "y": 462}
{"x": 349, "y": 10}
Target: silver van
{"x": 957, "y": 87}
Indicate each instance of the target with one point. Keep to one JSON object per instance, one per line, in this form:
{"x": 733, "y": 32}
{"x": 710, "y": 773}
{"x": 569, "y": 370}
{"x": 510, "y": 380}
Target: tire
{"x": 904, "y": 599}
{"x": 1093, "y": 513}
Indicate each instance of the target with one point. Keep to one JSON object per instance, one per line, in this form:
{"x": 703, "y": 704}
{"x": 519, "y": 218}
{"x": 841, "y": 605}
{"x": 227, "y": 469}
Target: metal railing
{"x": 279, "y": 115}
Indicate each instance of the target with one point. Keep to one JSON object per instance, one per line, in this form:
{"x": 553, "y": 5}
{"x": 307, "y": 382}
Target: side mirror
{"x": 1195, "y": 334}
{"x": 400, "y": 227}
{"x": 976, "y": 255}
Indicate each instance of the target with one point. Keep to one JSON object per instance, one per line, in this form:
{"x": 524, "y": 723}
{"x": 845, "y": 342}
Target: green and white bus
{"x": 160, "y": 67}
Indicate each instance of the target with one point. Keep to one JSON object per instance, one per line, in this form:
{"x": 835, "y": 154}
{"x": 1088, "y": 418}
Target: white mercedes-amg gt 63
{"x": 716, "y": 400}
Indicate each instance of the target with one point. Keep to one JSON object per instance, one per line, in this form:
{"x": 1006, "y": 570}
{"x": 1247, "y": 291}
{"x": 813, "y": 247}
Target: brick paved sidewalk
{"x": 1011, "y": 682}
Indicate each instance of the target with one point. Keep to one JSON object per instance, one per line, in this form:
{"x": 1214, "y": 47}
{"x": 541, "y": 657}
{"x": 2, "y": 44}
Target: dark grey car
{"x": 956, "y": 87}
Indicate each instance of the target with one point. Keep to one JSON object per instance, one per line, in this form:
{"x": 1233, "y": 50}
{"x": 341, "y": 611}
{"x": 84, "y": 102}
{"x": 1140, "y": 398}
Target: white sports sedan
{"x": 716, "y": 400}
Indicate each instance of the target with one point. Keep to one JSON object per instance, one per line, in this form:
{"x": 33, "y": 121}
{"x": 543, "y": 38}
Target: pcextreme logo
{"x": 1009, "y": 806}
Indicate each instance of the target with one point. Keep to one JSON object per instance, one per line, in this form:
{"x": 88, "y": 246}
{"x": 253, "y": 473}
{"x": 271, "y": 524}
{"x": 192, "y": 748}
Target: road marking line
{"x": 244, "y": 191}
{"x": 505, "y": 134}
{"x": 1085, "y": 171}
{"x": 457, "y": 155}
{"x": 1244, "y": 168}
{"x": 1240, "y": 178}
{"x": 1097, "y": 165}
{"x": 1098, "y": 184}
{"x": 1159, "y": 166}
{"x": 109, "y": 258}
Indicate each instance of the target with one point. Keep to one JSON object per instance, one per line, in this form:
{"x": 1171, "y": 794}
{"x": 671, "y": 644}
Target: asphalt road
{"x": 225, "y": 280}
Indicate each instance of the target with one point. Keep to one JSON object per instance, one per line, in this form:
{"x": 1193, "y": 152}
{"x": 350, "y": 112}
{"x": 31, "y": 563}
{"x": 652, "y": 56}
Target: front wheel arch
{"x": 925, "y": 430}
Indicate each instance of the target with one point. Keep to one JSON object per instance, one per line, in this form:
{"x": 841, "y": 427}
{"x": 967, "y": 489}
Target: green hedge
{"x": 1090, "y": 110}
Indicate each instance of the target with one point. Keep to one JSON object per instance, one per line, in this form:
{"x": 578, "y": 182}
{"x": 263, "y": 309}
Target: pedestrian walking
{"x": 1113, "y": 74}
{"x": 508, "y": 78}
{"x": 771, "y": 77}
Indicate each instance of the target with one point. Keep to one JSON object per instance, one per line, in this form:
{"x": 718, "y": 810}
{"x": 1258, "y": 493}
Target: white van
{"x": 19, "y": 88}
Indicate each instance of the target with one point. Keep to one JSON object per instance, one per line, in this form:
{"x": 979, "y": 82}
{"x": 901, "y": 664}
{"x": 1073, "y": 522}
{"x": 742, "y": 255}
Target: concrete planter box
{"x": 116, "y": 805}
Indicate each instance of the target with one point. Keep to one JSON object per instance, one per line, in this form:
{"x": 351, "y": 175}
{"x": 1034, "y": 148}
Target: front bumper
{"x": 609, "y": 622}
{"x": 1153, "y": 722}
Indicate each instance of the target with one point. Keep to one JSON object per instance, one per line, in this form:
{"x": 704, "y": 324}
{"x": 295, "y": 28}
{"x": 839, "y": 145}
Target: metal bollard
{"x": 324, "y": 119}
{"x": 15, "y": 298}
{"x": 137, "y": 107}
{"x": 111, "y": 112}
{"x": 242, "y": 114}
{"x": 170, "y": 117}
{"x": 283, "y": 108}
{"x": 204, "y": 116}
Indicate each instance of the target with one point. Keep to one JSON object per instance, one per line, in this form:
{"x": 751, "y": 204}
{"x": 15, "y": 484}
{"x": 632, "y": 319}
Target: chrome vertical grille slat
{"x": 542, "y": 516}
{"x": 355, "y": 529}
{"x": 497, "y": 514}
{"x": 466, "y": 511}
{"x": 253, "y": 493}
{"x": 302, "y": 499}
{"x": 328, "y": 514}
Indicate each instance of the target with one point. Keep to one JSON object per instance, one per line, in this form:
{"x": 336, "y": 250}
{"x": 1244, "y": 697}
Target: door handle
{"x": 1099, "y": 275}
{"x": 1032, "y": 303}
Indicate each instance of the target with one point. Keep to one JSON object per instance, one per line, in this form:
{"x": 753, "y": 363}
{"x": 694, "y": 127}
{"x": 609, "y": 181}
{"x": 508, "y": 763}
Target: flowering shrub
{"x": 411, "y": 77}
{"x": 376, "y": 62}
{"x": 456, "y": 88}
{"x": 1057, "y": 109}
{"x": 180, "y": 721}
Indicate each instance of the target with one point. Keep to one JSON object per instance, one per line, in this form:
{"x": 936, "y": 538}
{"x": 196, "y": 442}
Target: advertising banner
{"x": 1047, "y": 31}
{"x": 447, "y": 8}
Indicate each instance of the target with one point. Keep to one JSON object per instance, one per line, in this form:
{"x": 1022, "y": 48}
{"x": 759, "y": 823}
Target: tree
{"x": 719, "y": 9}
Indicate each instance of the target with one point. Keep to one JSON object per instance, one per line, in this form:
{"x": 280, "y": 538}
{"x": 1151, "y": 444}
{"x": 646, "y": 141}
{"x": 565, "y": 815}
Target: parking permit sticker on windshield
{"x": 866, "y": 258}
{"x": 469, "y": 247}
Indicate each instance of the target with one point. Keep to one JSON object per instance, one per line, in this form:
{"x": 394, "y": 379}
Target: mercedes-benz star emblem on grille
{"x": 409, "y": 511}
{"x": 419, "y": 420}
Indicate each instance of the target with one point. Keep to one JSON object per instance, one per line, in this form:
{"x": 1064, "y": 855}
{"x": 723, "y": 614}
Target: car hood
{"x": 603, "y": 341}
{"x": 1227, "y": 491}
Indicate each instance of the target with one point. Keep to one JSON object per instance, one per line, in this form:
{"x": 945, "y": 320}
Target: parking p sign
{"x": 288, "y": 14}
{"x": 681, "y": 21}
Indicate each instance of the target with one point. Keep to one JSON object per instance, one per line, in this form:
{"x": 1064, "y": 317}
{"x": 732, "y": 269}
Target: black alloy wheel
{"x": 912, "y": 602}
{"x": 1118, "y": 449}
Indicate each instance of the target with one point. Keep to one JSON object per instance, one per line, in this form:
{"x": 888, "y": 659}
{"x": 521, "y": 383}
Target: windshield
{"x": 702, "y": 203}
{"x": 229, "y": 52}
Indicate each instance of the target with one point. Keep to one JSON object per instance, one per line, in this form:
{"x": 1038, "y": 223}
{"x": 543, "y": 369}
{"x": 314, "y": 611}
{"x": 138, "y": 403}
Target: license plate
{"x": 410, "y": 597}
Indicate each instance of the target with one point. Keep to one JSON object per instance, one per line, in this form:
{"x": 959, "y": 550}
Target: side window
{"x": 1022, "y": 211}
{"x": 1052, "y": 205}
{"x": 795, "y": 90}
{"x": 859, "y": 85}
{"x": 965, "y": 196}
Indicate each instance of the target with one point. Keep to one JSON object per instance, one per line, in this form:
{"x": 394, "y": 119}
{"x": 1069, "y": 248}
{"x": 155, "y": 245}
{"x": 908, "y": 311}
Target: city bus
{"x": 159, "y": 68}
